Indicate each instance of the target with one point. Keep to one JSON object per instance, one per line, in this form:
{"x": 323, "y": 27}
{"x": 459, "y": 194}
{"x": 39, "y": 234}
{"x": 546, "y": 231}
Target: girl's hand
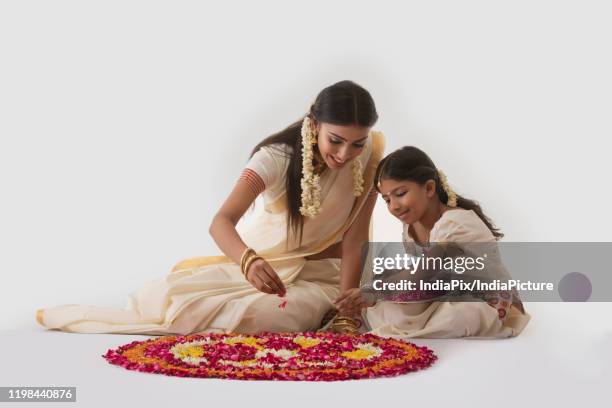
{"x": 351, "y": 301}
{"x": 261, "y": 275}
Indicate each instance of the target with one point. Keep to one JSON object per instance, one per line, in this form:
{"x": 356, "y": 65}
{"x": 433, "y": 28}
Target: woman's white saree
{"x": 210, "y": 294}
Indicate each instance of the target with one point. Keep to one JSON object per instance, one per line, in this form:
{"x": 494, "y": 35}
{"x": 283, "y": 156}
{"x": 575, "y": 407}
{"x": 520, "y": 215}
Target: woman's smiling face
{"x": 407, "y": 200}
{"x": 338, "y": 144}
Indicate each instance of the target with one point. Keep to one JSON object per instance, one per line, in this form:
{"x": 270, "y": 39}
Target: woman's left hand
{"x": 351, "y": 301}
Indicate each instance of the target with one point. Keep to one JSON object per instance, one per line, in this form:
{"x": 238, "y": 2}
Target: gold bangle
{"x": 344, "y": 321}
{"x": 247, "y": 252}
{"x": 245, "y": 260}
{"x": 354, "y": 326}
{"x": 248, "y": 263}
{"x": 242, "y": 268}
{"x": 346, "y": 327}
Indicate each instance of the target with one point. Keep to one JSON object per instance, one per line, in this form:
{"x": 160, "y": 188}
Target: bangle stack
{"x": 345, "y": 324}
{"x": 248, "y": 257}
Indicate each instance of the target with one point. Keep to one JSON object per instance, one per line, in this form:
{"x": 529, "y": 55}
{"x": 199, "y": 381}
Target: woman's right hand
{"x": 261, "y": 275}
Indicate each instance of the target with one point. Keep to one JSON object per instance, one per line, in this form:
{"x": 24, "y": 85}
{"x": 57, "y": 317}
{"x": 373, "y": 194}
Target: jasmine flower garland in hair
{"x": 452, "y": 196}
{"x": 311, "y": 187}
{"x": 357, "y": 177}
{"x": 358, "y": 170}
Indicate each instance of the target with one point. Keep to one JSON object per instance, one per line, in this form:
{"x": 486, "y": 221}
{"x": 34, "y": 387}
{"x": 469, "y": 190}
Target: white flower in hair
{"x": 357, "y": 177}
{"x": 452, "y": 196}
{"x": 311, "y": 188}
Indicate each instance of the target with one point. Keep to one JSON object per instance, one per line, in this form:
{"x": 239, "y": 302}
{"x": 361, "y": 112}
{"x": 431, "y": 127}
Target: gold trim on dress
{"x": 39, "y": 317}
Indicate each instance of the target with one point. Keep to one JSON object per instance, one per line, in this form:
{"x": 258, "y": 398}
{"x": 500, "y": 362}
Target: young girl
{"x": 418, "y": 194}
{"x": 316, "y": 179}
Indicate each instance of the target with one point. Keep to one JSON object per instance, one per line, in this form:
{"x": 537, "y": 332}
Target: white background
{"x": 124, "y": 124}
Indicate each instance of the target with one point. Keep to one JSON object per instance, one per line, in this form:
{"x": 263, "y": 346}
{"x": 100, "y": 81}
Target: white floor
{"x": 562, "y": 359}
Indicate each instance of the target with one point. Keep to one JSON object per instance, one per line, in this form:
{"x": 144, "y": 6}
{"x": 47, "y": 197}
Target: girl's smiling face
{"x": 407, "y": 200}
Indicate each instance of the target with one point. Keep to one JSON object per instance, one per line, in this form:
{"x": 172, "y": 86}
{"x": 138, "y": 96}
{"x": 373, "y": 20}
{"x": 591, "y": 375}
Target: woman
{"x": 316, "y": 181}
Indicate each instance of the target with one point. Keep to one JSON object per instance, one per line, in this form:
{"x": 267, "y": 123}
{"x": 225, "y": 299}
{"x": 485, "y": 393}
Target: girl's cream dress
{"x": 434, "y": 319}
